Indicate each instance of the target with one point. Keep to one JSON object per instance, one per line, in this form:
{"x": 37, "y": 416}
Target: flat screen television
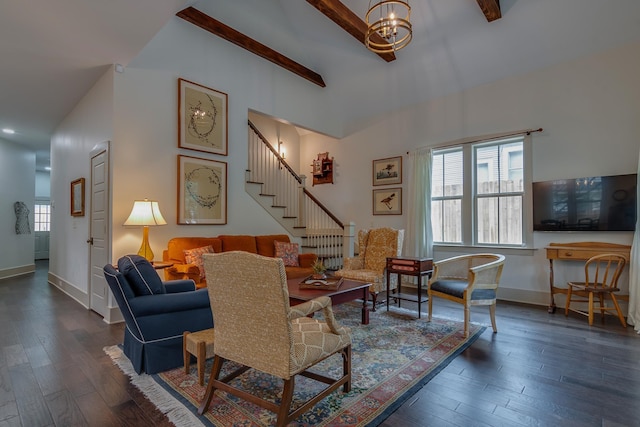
{"x": 599, "y": 203}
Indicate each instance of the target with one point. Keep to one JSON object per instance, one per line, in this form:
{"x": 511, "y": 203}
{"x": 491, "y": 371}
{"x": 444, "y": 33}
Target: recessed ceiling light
{"x": 9, "y": 131}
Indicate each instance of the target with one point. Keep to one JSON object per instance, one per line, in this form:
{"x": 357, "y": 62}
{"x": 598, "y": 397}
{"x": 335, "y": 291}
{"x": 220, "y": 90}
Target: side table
{"x": 159, "y": 265}
{"x": 408, "y": 266}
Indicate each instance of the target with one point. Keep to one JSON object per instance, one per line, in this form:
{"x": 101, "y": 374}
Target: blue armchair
{"x": 156, "y": 313}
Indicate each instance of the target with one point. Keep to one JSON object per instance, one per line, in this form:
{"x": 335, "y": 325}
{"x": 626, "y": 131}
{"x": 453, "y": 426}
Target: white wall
{"x": 43, "y": 185}
{"x": 588, "y": 108}
{"x": 274, "y": 131}
{"x": 89, "y": 124}
{"x": 17, "y": 178}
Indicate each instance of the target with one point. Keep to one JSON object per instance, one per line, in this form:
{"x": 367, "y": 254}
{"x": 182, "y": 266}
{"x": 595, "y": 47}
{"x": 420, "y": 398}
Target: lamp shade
{"x": 145, "y": 212}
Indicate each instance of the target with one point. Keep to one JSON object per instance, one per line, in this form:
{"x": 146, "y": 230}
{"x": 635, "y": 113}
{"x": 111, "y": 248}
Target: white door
{"x": 41, "y": 224}
{"x": 99, "y": 231}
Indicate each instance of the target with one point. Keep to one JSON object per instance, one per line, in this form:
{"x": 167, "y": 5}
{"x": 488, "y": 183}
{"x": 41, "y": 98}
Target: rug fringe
{"x": 175, "y": 411}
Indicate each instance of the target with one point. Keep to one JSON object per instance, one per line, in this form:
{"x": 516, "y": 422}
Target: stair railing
{"x": 324, "y": 233}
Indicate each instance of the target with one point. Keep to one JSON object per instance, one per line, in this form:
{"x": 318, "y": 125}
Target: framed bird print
{"x": 387, "y": 171}
{"x": 387, "y": 201}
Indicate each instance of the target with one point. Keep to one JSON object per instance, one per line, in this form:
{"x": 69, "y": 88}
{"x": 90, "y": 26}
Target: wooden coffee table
{"x": 349, "y": 291}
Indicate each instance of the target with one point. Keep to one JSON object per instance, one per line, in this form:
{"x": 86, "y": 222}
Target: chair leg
{"x": 590, "y": 308}
{"x": 467, "y": 315}
{"x": 568, "y": 302}
{"x": 202, "y": 359}
{"x": 430, "y": 302}
{"x": 492, "y": 312}
{"x": 620, "y": 316}
{"x": 346, "y": 368}
{"x": 602, "y": 306}
{"x": 185, "y": 354}
{"x": 374, "y": 299}
{"x": 208, "y": 395}
{"x": 285, "y": 402}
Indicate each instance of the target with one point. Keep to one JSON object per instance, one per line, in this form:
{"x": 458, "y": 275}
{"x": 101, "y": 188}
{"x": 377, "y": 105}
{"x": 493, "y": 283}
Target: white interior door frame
{"x": 99, "y": 242}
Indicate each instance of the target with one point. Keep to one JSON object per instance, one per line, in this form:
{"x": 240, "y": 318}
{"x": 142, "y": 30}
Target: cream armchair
{"x": 369, "y": 266}
{"x": 256, "y": 328}
{"x": 468, "y": 280}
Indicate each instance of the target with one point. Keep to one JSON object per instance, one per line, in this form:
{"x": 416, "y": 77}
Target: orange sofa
{"x": 262, "y": 245}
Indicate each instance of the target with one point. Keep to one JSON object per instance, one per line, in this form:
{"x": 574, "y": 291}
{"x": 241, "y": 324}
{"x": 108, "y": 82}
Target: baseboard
{"x": 523, "y": 296}
{"x": 69, "y": 289}
{"x": 114, "y": 315}
{"x": 17, "y": 271}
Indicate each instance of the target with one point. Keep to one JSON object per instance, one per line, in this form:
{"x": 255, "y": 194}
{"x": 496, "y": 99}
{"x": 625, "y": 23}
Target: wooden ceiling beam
{"x": 216, "y": 27}
{"x": 491, "y": 9}
{"x": 348, "y": 21}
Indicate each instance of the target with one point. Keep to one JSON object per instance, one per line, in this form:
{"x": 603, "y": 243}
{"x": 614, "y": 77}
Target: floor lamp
{"x": 146, "y": 213}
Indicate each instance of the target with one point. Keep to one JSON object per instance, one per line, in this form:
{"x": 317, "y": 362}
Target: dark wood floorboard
{"x": 541, "y": 369}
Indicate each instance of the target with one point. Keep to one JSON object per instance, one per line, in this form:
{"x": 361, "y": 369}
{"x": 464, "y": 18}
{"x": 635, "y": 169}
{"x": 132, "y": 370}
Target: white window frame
{"x": 469, "y": 198}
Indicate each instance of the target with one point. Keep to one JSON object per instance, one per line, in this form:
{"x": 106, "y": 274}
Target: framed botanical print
{"x": 202, "y": 191}
{"x": 387, "y": 171}
{"x": 202, "y": 118}
{"x": 387, "y": 201}
{"x": 77, "y": 197}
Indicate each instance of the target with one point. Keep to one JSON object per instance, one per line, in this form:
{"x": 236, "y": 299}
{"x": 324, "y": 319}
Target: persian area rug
{"x": 392, "y": 358}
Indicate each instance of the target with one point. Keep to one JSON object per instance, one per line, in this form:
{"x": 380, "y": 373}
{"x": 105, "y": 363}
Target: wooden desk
{"x": 578, "y": 251}
{"x": 408, "y": 266}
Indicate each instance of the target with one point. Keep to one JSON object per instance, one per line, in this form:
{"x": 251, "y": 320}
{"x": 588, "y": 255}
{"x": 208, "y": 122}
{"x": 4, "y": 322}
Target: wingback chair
{"x": 256, "y": 328}
{"x": 369, "y": 266}
{"x": 156, "y": 313}
{"x": 468, "y": 280}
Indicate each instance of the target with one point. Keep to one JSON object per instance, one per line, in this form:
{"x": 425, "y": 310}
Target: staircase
{"x": 282, "y": 193}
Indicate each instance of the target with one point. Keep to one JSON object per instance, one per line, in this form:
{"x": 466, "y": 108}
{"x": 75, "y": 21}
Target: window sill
{"x": 505, "y": 250}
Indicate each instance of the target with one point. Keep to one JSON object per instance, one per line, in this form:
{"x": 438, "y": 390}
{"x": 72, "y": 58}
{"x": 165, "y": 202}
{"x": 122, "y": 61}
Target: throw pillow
{"x": 288, "y": 252}
{"x": 141, "y": 275}
{"x": 194, "y": 256}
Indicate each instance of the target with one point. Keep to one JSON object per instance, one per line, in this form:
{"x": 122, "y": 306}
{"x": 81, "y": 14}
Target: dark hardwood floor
{"x": 540, "y": 369}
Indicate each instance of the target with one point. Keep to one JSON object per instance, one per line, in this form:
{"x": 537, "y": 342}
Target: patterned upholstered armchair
{"x": 256, "y": 328}
{"x": 369, "y": 266}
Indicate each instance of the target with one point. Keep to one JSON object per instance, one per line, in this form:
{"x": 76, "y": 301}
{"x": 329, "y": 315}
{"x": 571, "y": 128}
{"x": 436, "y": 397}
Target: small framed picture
{"x": 387, "y": 171}
{"x": 387, "y": 201}
{"x": 77, "y": 197}
{"x": 202, "y": 191}
{"x": 202, "y": 118}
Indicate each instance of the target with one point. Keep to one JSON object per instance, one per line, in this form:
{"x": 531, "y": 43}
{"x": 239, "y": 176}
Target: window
{"x": 42, "y": 218}
{"x": 478, "y": 194}
{"x": 446, "y": 196}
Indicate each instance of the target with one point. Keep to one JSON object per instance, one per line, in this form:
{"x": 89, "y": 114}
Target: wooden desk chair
{"x": 601, "y": 278}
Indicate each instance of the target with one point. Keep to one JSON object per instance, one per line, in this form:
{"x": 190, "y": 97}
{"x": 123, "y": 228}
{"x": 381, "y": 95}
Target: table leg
{"x": 552, "y": 303}
{"x": 419, "y": 295}
{"x": 365, "y": 306}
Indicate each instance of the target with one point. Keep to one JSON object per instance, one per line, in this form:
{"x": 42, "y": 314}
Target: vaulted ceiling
{"x": 53, "y": 52}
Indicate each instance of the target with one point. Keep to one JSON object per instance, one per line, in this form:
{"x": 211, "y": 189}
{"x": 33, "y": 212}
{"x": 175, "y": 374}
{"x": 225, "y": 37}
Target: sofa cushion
{"x": 141, "y": 275}
{"x": 194, "y": 256}
{"x": 239, "y": 243}
{"x": 265, "y": 244}
{"x": 288, "y": 252}
{"x": 177, "y": 245}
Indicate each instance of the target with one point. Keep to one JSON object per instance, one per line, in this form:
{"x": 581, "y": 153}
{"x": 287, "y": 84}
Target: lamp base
{"x": 145, "y": 249}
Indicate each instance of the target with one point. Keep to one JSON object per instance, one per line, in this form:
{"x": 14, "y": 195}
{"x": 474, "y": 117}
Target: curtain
{"x": 633, "y": 317}
{"x": 419, "y": 237}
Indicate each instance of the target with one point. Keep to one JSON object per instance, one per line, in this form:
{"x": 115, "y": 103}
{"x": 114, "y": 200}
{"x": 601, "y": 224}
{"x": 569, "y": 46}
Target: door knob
{"x": 90, "y": 240}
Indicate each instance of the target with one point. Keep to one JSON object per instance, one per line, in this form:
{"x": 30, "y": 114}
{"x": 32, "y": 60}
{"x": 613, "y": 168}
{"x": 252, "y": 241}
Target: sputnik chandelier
{"x": 388, "y": 26}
